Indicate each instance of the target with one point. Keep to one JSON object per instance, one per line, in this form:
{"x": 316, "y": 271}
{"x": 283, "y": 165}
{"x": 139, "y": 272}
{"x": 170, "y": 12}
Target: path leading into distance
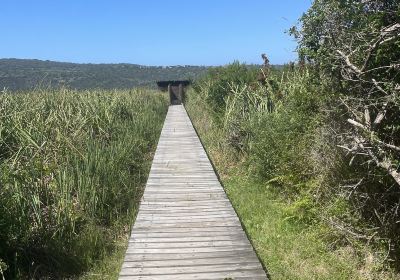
{"x": 186, "y": 227}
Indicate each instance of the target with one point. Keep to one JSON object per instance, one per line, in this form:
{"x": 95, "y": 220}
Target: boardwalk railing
{"x": 186, "y": 227}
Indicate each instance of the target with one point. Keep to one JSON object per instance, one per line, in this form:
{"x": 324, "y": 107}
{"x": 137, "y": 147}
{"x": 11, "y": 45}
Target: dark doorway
{"x": 176, "y": 90}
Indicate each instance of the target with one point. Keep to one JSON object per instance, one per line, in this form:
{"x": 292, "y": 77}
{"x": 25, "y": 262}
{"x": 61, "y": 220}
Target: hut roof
{"x": 173, "y": 83}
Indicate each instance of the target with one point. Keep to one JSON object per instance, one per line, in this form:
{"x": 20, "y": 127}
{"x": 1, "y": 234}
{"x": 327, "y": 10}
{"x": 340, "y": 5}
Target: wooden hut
{"x": 176, "y": 90}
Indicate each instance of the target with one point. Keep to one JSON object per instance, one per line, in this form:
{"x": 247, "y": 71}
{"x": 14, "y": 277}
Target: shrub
{"x": 354, "y": 46}
{"x": 219, "y": 80}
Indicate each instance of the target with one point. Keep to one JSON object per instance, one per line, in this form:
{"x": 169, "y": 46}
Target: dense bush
{"x": 218, "y": 81}
{"x": 274, "y": 126}
{"x": 284, "y": 138}
{"x": 326, "y": 131}
{"x": 354, "y": 46}
{"x": 72, "y": 168}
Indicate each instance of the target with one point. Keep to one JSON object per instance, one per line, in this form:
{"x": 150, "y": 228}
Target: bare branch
{"x": 388, "y": 145}
{"x": 379, "y": 41}
{"x": 353, "y": 122}
{"x": 385, "y": 164}
{"x": 348, "y": 63}
{"x": 367, "y": 117}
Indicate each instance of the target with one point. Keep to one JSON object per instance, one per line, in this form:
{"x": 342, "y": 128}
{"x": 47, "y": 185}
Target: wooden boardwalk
{"x": 186, "y": 227}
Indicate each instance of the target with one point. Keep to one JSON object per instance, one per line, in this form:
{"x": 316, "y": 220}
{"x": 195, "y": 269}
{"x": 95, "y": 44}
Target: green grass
{"x": 73, "y": 165}
{"x": 289, "y": 250}
{"x": 109, "y": 267}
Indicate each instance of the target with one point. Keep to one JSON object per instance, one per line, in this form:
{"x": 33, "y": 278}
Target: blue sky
{"x": 150, "y": 32}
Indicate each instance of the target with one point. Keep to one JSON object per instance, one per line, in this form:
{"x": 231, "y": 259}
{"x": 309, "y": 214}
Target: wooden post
{"x": 170, "y": 94}
{"x": 180, "y": 93}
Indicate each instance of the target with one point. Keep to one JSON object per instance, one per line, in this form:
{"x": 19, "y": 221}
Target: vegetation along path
{"x": 186, "y": 227}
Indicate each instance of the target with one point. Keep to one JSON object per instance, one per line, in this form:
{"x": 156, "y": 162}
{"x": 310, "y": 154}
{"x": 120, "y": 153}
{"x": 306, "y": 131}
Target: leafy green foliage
{"x": 284, "y": 135}
{"x": 354, "y": 47}
{"x": 325, "y": 133}
{"x": 283, "y": 138}
{"x": 281, "y": 215}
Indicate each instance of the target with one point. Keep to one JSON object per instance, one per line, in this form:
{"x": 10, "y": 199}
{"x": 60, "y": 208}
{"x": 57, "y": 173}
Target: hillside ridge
{"x": 23, "y": 74}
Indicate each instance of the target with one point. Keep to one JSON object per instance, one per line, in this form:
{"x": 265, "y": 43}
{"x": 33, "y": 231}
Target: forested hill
{"x": 19, "y": 74}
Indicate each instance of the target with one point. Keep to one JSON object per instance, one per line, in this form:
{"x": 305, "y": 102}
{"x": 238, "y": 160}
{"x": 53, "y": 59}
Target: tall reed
{"x": 72, "y": 168}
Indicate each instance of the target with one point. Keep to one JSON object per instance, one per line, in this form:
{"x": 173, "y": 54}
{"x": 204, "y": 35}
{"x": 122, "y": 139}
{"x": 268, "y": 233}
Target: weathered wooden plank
{"x": 197, "y": 276}
{"x": 183, "y": 234}
{"x": 191, "y": 269}
{"x": 188, "y": 218}
{"x": 213, "y": 230}
{"x": 239, "y": 248}
{"x": 188, "y": 245}
{"x": 186, "y": 227}
{"x": 203, "y": 276}
{"x": 190, "y": 262}
{"x": 220, "y": 275}
{"x": 154, "y": 216}
{"x": 188, "y": 256}
{"x": 174, "y": 239}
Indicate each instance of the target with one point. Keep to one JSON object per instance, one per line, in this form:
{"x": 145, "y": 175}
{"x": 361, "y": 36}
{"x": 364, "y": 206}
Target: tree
{"x": 355, "y": 45}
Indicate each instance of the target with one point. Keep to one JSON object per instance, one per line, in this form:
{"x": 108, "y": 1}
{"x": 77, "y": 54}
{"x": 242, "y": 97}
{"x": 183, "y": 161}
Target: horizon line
{"x": 144, "y": 65}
